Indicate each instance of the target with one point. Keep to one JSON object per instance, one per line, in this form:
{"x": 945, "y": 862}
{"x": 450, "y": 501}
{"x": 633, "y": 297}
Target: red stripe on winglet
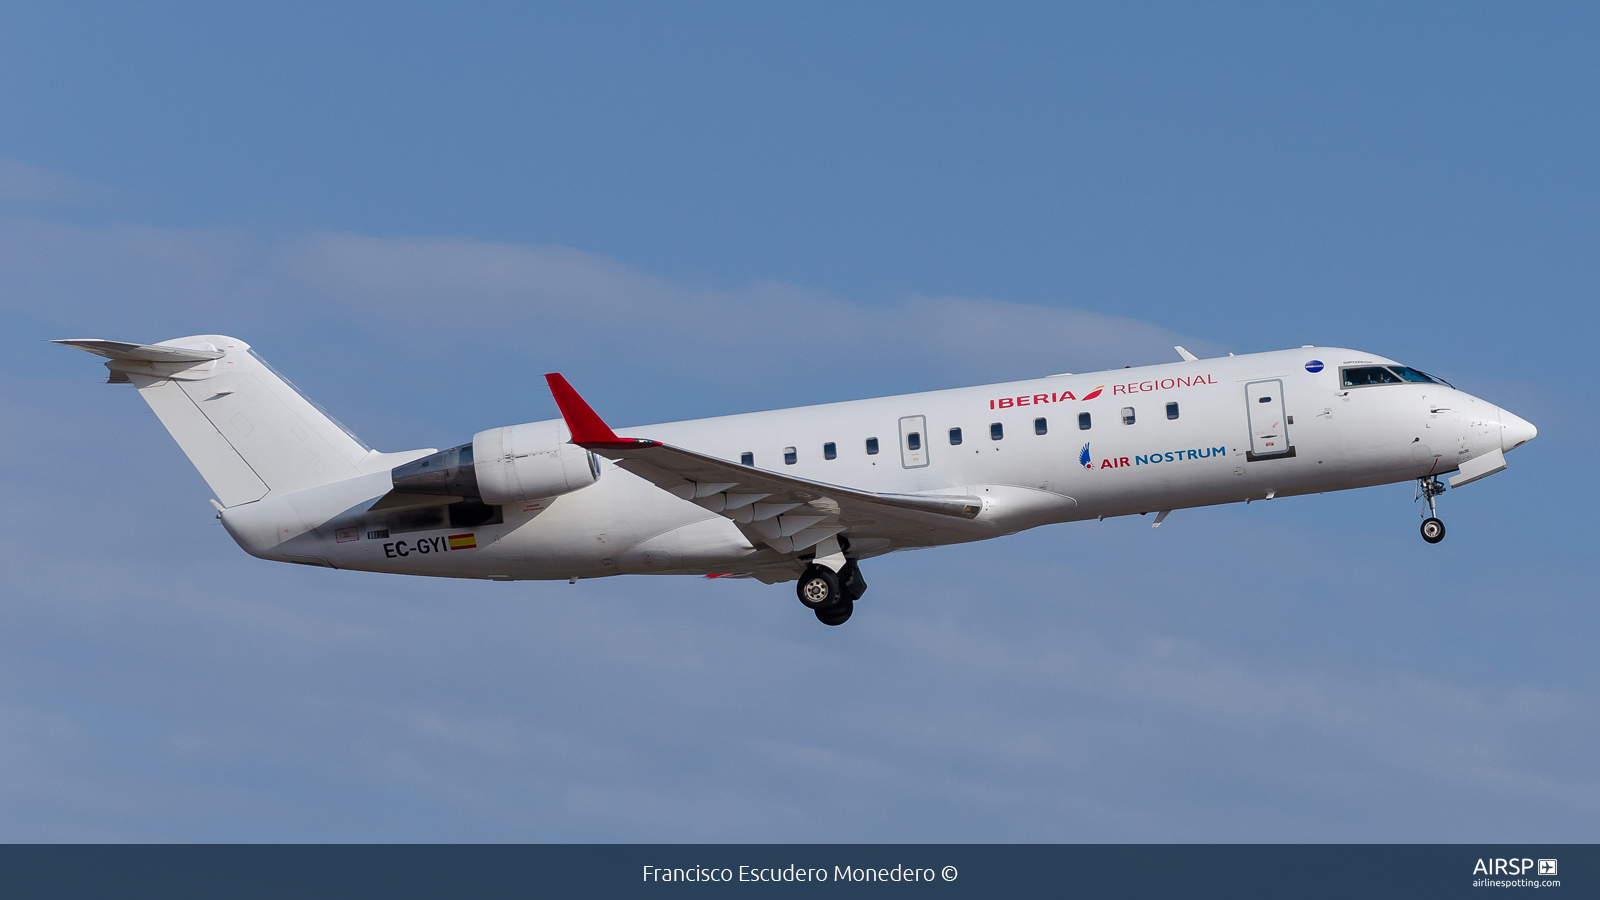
{"x": 586, "y": 426}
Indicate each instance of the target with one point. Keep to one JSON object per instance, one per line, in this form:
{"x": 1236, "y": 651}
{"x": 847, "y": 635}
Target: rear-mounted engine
{"x": 504, "y": 465}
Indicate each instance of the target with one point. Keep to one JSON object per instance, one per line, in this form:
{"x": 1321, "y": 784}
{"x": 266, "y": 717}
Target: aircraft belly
{"x": 588, "y": 533}
{"x": 708, "y": 546}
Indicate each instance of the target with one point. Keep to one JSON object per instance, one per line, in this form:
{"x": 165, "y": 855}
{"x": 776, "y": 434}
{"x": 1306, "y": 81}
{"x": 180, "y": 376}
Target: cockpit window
{"x": 1411, "y": 374}
{"x": 1360, "y": 376}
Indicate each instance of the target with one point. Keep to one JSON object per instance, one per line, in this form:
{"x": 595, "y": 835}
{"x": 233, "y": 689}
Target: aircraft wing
{"x": 786, "y": 513}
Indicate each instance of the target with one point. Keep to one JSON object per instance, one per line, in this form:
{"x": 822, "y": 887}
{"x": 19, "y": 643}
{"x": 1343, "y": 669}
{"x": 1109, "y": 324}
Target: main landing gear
{"x": 1432, "y": 528}
{"x": 831, "y": 595}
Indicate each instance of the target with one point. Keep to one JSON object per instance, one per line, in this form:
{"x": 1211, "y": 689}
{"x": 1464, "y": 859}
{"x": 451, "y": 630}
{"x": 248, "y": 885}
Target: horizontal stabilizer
{"x": 246, "y": 429}
{"x": 141, "y": 352}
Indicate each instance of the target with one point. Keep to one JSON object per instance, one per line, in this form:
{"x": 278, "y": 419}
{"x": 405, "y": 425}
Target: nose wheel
{"x": 1432, "y": 528}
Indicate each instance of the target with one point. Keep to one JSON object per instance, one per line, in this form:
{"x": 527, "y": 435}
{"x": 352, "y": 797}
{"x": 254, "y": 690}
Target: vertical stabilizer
{"x": 247, "y": 429}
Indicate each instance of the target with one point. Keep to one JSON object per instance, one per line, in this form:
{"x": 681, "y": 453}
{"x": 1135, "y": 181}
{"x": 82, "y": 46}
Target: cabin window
{"x": 1361, "y": 376}
{"x": 872, "y": 446}
{"x": 955, "y": 436}
{"x": 790, "y": 457}
{"x": 830, "y": 450}
{"x": 1172, "y": 410}
{"x": 1040, "y": 426}
{"x": 996, "y": 431}
{"x": 1083, "y": 421}
{"x": 914, "y": 441}
{"x": 1127, "y": 415}
{"x": 747, "y": 458}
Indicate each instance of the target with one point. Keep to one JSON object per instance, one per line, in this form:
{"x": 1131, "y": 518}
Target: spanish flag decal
{"x": 463, "y": 542}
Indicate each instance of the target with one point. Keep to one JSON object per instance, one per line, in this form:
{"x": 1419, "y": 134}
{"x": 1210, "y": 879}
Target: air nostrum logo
{"x": 1149, "y": 459}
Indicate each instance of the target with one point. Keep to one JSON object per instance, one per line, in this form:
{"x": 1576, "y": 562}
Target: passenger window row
{"x": 997, "y": 431}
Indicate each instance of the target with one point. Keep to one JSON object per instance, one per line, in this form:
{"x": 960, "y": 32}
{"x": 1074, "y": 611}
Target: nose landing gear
{"x": 1427, "y": 489}
{"x": 1432, "y": 530}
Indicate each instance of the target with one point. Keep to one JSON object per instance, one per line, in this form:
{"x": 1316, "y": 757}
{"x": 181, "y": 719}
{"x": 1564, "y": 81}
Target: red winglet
{"x": 587, "y": 427}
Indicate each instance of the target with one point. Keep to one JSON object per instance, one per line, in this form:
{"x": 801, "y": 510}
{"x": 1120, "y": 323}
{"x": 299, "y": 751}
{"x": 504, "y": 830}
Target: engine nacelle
{"x": 530, "y": 462}
{"x": 448, "y": 473}
{"x": 504, "y": 465}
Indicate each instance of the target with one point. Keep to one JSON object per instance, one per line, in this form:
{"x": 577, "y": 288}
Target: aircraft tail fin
{"x": 247, "y": 429}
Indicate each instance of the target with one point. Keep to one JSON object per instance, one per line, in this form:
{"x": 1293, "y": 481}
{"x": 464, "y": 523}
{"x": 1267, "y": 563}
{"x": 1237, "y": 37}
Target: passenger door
{"x": 1269, "y": 432}
{"x": 913, "y": 441}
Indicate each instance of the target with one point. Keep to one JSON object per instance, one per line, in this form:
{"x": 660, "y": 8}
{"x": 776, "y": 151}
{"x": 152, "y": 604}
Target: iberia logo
{"x": 1042, "y": 399}
{"x": 1130, "y": 388}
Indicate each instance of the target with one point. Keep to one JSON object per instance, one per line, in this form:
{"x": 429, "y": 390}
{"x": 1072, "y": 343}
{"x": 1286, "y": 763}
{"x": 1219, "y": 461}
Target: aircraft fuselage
{"x": 1048, "y": 450}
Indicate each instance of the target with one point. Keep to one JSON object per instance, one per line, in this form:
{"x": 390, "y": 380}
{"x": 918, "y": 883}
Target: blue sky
{"x": 414, "y": 212}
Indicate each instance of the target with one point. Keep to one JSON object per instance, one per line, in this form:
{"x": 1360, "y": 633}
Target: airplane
{"x": 803, "y": 494}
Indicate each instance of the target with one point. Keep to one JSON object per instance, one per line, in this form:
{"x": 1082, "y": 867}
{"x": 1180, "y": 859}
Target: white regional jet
{"x": 803, "y": 494}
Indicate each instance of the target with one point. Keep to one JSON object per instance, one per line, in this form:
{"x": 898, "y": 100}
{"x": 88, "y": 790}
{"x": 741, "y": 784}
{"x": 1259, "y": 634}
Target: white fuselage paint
{"x": 1341, "y": 438}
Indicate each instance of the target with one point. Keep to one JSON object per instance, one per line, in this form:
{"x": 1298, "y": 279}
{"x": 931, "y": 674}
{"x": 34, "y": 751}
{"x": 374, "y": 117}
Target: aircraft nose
{"x": 1515, "y": 431}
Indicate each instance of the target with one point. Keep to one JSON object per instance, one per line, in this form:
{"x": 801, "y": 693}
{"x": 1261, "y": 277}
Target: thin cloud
{"x": 22, "y": 182}
{"x": 557, "y": 304}
{"x": 499, "y": 294}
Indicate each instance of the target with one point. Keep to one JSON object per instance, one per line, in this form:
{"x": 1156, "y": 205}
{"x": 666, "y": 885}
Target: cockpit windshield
{"x": 1362, "y": 376}
{"x": 1411, "y": 374}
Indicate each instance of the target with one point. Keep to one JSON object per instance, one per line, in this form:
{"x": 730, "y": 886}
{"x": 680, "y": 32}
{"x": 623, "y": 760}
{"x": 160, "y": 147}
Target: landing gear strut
{"x": 832, "y": 596}
{"x": 851, "y": 582}
{"x": 1432, "y": 528}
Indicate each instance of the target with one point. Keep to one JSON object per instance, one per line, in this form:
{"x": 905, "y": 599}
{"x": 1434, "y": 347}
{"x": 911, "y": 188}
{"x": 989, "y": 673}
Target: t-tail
{"x": 249, "y": 430}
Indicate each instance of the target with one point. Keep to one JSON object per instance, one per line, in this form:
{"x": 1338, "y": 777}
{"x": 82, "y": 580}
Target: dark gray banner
{"x": 392, "y": 872}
